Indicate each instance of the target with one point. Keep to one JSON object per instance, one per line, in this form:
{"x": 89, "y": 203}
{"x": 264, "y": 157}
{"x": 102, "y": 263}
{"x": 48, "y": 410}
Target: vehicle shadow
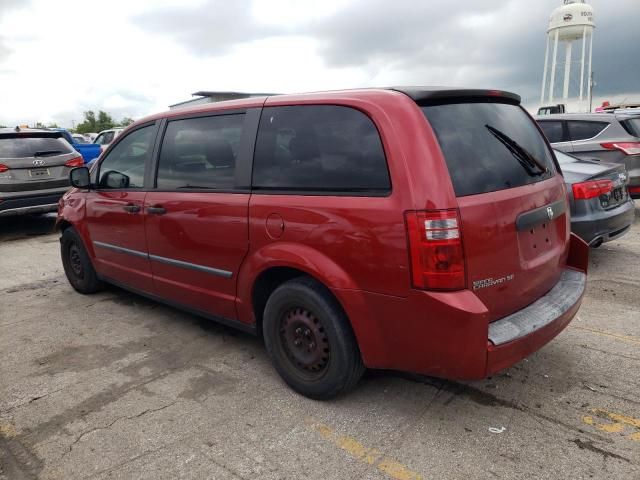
{"x": 23, "y": 226}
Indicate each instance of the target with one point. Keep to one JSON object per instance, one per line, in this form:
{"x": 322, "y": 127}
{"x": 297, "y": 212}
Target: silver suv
{"x": 34, "y": 170}
{"x": 608, "y": 137}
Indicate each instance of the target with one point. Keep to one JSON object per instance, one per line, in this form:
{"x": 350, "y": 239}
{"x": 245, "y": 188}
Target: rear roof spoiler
{"x": 436, "y": 95}
{"x": 31, "y": 134}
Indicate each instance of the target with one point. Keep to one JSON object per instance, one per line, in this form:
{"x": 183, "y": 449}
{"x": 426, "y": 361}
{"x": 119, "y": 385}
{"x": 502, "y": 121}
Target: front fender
{"x": 291, "y": 255}
{"x": 71, "y": 210}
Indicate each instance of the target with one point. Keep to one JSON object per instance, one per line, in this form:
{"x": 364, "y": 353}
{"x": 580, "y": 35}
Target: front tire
{"x": 77, "y": 264}
{"x": 310, "y": 341}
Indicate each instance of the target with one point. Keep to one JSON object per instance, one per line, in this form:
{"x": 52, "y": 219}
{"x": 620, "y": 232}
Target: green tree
{"x": 105, "y": 121}
{"x": 89, "y": 123}
{"x": 102, "y": 121}
{"x": 53, "y": 125}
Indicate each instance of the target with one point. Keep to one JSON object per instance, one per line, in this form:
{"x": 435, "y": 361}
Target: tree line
{"x": 103, "y": 121}
{"x": 92, "y": 123}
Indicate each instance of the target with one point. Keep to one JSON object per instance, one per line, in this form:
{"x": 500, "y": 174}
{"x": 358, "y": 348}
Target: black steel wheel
{"x": 77, "y": 264}
{"x": 305, "y": 341}
{"x": 75, "y": 260}
{"x": 310, "y": 341}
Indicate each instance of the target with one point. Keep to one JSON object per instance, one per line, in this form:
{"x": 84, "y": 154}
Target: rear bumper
{"x": 514, "y": 337}
{"x": 39, "y": 203}
{"x": 447, "y": 334}
{"x": 604, "y": 225}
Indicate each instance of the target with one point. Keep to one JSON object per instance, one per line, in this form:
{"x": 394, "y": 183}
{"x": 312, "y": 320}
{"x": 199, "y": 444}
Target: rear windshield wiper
{"x": 525, "y": 158}
{"x": 47, "y": 153}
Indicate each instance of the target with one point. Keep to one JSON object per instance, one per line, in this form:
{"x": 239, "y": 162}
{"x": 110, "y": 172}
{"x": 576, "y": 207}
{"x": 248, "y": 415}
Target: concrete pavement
{"x": 115, "y": 386}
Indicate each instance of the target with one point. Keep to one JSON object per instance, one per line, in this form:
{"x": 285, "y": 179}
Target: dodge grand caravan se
{"x": 417, "y": 229}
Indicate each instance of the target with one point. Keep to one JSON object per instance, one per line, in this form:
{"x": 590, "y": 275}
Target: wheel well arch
{"x": 270, "y": 279}
{"x": 265, "y": 284}
{"x": 62, "y": 225}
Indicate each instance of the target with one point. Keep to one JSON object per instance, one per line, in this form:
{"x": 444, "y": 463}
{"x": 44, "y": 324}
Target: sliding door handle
{"x": 157, "y": 210}
{"x": 131, "y": 208}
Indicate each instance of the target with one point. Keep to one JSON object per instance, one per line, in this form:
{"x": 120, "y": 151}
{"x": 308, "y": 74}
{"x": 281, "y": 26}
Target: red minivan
{"x": 416, "y": 229}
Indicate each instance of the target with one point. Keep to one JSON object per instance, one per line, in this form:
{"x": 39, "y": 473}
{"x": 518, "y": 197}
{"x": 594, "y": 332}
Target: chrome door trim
{"x": 169, "y": 261}
{"x": 116, "y": 248}
{"x": 192, "y": 266}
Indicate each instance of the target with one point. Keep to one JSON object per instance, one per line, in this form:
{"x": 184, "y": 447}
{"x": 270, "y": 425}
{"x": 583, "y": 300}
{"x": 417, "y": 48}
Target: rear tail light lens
{"x": 74, "y": 162}
{"x": 591, "y": 189}
{"x": 3, "y": 168}
{"x": 435, "y": 245}
{"x": 634, "y": 190}
{"x": 628, "y": 148}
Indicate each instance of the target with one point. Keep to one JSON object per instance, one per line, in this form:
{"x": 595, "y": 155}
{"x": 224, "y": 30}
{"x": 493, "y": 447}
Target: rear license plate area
{"x": 618, "y": 194}
{"x": 613, "y": 199}
{"x": 537, "y": 240}
{"x": 39, "y": 172}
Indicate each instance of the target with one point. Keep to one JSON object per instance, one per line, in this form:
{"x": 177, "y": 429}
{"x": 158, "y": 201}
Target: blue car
{"x": 89, "y": 151}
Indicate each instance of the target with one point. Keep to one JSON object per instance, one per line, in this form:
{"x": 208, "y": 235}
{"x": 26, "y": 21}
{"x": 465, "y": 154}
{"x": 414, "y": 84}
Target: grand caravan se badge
{"x": 492, "y": 282}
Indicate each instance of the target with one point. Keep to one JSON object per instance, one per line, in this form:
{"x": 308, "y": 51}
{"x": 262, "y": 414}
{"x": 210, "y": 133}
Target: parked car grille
{"x": 28, "y": 186}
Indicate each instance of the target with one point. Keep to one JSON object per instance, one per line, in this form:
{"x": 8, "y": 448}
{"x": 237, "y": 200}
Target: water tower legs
{"x": 567, "y": 70}
{"x": 590, "y": 71}
{"x": 544, "y": 74}
{"x": 584, "y": 44}
{"x": 553, "y": 66}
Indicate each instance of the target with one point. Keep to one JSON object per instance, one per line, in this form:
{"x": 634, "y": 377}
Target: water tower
{"x": 571, "y": 23}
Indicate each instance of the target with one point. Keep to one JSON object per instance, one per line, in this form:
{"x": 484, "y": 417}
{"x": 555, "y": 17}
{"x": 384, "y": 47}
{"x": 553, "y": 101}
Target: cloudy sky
{"x": 135, "y": 57}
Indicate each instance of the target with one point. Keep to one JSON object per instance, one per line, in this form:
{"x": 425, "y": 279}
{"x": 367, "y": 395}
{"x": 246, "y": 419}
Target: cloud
{"x": 493, "y": 43}
{"x": 211, "y": 28}
{"x": 136, "y": 58}
{"x": 5, "y": 7}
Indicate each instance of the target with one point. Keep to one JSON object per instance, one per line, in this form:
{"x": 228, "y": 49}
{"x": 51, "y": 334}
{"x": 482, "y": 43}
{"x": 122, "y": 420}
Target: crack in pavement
{"x": 109, "y": 425}
{"x": 588, "y": 445}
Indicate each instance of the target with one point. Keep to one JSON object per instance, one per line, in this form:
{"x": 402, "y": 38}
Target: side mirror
{"x": 79, "y": 177}
{"x": 113, "y": 179}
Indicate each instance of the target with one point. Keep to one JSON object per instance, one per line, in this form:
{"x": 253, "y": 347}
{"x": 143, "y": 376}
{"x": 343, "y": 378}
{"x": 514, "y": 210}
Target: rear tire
{"x": 310, "y": 341}
{"x": 77, "y": 264}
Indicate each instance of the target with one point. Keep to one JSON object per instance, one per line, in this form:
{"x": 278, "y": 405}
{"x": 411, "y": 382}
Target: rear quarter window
{"x": 632, "y": 126}
{"x": 552, "y": 130}
{"x": 489, "y": 146}
{"x": 584, "y": 130}
{"x": 319, "y": 149}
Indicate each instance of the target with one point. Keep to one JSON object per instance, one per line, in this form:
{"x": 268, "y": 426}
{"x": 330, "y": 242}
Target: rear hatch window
{"x": 489, "y": 146}
{"x": 22, "y": 146}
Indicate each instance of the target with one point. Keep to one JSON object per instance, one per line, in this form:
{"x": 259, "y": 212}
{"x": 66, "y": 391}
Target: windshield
{"x": 489, "y": 146}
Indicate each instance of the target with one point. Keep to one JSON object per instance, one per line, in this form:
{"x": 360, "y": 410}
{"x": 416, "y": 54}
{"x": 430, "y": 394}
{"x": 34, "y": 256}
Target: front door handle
{"x": 157, "y": 210}
{"x": 131, "y": 208}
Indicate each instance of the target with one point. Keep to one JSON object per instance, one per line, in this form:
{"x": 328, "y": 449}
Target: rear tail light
{"x": 74, "y": 162}
{"x": 591, "y": 189}
{"x": 3, "y": 168}
{"x": 628, "y": 148}
{"x": 634, "y": 190}
{"x": 435, "y": 245}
